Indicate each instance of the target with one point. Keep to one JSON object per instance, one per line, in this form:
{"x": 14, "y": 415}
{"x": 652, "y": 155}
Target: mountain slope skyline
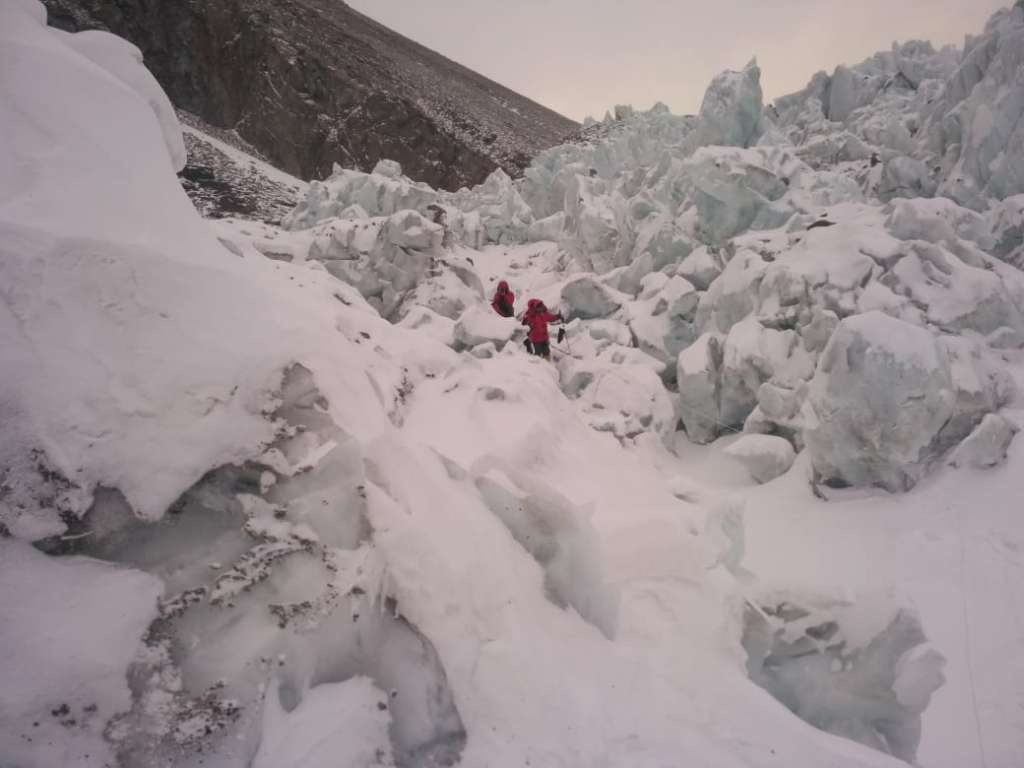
{"x": 311, "y": 83}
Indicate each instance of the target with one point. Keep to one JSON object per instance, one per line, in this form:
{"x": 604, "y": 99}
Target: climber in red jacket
{"x": 537, "y": 318}
{"x": 504, "y": 300}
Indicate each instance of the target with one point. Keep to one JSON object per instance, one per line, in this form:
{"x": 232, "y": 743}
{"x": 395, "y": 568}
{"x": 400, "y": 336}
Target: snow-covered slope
{"x": 277, "y": 496}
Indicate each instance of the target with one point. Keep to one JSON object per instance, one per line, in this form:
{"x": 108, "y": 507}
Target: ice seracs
{"x": 986, "y": 446}
{"x": 974, "y": 126}
{"x": 889, "y": 399}
{"x": 730, "y": 114}
{"x": 765, "y": 456}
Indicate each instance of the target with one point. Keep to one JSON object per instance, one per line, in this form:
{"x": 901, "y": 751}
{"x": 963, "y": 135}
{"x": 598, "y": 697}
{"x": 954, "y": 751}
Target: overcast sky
{"x": 581, "y": 57}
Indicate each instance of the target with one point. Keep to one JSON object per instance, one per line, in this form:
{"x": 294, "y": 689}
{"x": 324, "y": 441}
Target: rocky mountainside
{"x": 311, "y": 83}
{"x": 224, "y": 175}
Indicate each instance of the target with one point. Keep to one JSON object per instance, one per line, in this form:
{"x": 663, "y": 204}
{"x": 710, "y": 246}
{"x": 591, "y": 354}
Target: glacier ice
{"x": 588, "y": 299}
{"x": 698, "y": 375}
{"x": 559, "y": 537}
{"x": 765, "y": 456}
{"x": 662, "y": 322}
{"x": 986, "y": 446}
{"x": 886, "y": 403}
{"x": 270, "y": 576}
{"x": 481, "y": 325}
{"x": 861, "y": 672}
{"x": 730, "y": 114}
{"x": 625, "y": 399}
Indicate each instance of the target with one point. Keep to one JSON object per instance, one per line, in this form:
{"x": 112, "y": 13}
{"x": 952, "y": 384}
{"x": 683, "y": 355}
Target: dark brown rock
{"x": 313, "y": 82}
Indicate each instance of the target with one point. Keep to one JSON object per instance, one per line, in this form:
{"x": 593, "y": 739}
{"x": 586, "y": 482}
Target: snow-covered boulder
{"x": 444, "y": 291}
{"x": 987, "y": 445}
{"x": 425, "y": 320}
{"x": 630, "y": 280}
{"x": 480, "y": 325}
{"x": 780, "y": 403}
{"x": 1006, "y": 220}
{"x": 626, "y": 400}
{"x": 781, "y": 411}
{"x": 735, "y": 190}
{"x": 938, "y": 220}
{"x": 697, "y": 376}
{"x": 766, "y": 457}
{"x": 981, "y": 385}
{"x": 904, "y": 176}
{"x": 734, "y": 294}
{"x": 960, "y": 296}
{"x": 663, "y": 323}
{"x": 409, "y": 229}
{"x": 823, "y": 323}
{"x": 652, "y": 284}
{"x": 587, "y": 299}
{"x": 751, "y": 356}
{"x": 609, "y": 331}
{"x": 701, "y": 267}
{"x": 882, "y": 394}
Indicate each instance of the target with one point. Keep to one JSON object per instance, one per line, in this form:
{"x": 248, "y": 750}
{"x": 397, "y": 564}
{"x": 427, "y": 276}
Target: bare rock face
{"x": 310, "y": 83}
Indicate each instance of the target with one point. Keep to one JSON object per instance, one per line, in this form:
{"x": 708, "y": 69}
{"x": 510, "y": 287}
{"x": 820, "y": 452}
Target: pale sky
{"x": 582, "y": 57}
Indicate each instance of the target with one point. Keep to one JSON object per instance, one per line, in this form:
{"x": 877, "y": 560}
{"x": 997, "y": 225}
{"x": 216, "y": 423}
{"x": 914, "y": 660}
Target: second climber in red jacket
{"x": 504, "y": 300}
{"x": 536, "y": 319}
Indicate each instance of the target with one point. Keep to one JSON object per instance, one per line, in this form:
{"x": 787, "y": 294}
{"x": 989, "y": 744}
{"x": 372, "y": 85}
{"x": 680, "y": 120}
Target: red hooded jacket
{"x": 537, "y": 318}
{"x": 504, "y": 300}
